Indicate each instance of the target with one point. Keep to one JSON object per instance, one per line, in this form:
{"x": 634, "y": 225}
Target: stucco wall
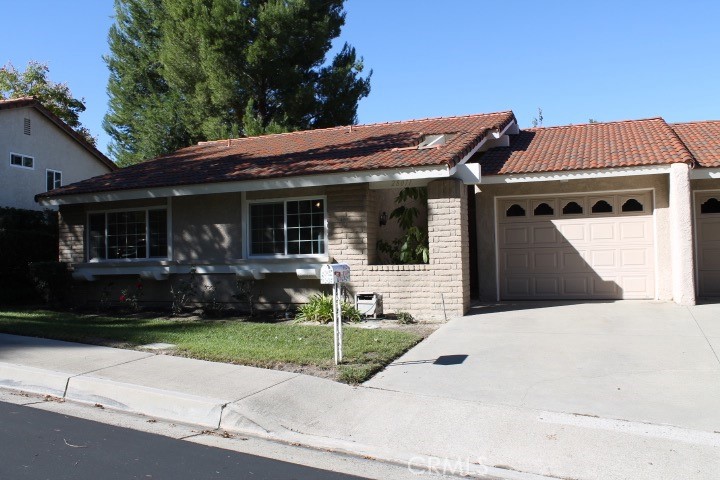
{"x": 51, "y": 149}
{"x": 485, "y": 215}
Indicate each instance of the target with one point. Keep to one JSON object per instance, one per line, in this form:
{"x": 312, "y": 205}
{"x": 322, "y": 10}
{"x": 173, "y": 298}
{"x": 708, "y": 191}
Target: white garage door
{"x": 707, "y": 222}
{"x": 577, "y": 247}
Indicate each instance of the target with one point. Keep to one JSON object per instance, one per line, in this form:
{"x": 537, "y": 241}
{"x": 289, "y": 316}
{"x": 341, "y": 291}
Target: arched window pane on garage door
{"x": 515, "y": 210}
{"x": 601, "y": 206}
{"x": 572, "y": 208}
{"x": 543, "y": 209}
{"x": 632, "y": 205}
{"x": 712, "y": 205}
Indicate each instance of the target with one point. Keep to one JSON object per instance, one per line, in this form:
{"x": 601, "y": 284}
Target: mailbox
{"x": 333, "y": 273}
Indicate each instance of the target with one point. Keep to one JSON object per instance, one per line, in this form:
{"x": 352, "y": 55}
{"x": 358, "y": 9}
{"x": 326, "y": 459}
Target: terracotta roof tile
{"x": 330, "y": 150}
{"x": 702, "y": 139}
{"x": 580, "y": 147}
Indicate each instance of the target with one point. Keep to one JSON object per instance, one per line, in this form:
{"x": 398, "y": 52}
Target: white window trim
{"x": 147, "y": 258}
{"x": 53, "y": 171}
{"x": 22, "y": 166}
{"x": 248, "y": 230}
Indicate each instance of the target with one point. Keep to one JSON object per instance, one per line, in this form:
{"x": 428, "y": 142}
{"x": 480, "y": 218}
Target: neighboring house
{"x": 598, "y": 211}
{"x": 39, "y": 152}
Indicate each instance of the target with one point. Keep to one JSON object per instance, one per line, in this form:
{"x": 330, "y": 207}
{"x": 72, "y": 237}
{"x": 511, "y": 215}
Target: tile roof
{"x": 339, "y": 149}
{"x": 702, "y": 139}
{"x": 580, "y": 147}
{"x": 36, "y": 104}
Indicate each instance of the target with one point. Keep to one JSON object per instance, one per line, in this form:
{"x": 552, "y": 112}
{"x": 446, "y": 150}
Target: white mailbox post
{"x": 336, "y": 274}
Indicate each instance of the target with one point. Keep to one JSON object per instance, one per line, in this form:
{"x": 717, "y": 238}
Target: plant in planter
{"x": 320, "y": 309}
{"x": 412, "y": 247}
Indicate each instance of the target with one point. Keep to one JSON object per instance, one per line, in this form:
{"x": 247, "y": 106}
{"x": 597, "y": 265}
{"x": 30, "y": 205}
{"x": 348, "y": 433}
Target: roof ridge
{"x": 340, "y": 127}
{"x": 587, "y": 124}
{"x": 693, "y": 122}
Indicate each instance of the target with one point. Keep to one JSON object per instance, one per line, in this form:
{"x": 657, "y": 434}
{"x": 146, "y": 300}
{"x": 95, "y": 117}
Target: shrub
{"x": 404, "y": 318}
{"x": 245, "y": 293}
{"x": 212, "y": 308}
{"x": 131, "y": 298}
{"x": 320, "y": 309}
{"x": 183, "y": 292}
{"x": 51, "y": 280}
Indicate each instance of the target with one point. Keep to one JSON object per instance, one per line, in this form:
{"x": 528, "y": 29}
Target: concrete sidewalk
{"x": 445, "y": 434}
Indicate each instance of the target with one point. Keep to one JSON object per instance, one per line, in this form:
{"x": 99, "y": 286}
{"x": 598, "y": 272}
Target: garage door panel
{"x": 544, "y": 234}
{"x": 575, "y": 286}
{"x": 585, "y": 256}
{"x": 603, "y": 259}
{"x": 547, "y": 286}
{"x": 605, "y": 287}
{"x": 710, "y": 258}
{"x": 710, "y": 283}
{"x": 634, "y": 258}
{"x": 707, "y": 228}
{"x": 514, "y": 236}
{"x": 602, "y": 232}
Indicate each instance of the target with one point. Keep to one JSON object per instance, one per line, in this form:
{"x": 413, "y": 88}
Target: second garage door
{"x": 598, "y": 246}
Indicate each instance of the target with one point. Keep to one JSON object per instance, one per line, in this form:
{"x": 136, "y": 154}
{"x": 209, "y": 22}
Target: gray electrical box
{"x": 369, "y": 304}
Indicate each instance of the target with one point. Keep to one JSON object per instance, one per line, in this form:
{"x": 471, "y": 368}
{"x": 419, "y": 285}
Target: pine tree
{"x": 190, "y": 70}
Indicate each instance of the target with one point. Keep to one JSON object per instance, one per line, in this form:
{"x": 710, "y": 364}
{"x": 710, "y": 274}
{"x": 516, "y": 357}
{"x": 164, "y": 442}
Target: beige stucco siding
{"x": 50, "y": 147}
{"x": 485, "y": 215}
{"x": 207, "y": 228}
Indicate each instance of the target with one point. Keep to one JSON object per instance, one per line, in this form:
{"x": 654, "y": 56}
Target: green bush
{"x": 26, "y": 236}
{"x": 404, "y": 318}
{"x": 320, "y": 309}
{"x": 51, "y": 279}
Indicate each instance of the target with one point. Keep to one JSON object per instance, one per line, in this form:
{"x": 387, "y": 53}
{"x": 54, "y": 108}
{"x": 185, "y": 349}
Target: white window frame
{"x": 23, "y": 156}
{"x": 147, "y": 257}
{"x": 284, "y": 200}
{"x": 48, "y": 170}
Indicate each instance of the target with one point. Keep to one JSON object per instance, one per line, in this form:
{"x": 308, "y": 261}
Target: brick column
{"x": 449, "y": 245}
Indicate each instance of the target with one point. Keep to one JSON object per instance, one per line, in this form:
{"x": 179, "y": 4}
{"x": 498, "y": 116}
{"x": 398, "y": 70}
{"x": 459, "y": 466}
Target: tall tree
{"x": 56, "y": 97}
{"x": 189, "y": 70}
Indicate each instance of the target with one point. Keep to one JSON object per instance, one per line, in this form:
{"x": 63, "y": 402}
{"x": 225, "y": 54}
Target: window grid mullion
{"x": 147, "y": 233}
{"x": 285, "y": 227}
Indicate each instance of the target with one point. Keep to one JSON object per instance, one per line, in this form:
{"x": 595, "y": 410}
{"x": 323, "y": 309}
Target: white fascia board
{"x": 375, "y": 176}
{"x": 490, "y": 138}
{"x": 704, "y": 173}
{"x": 576, "y": 174}
{"x": 469, "y": 173}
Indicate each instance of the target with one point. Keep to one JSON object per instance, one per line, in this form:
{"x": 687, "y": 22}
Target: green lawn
{"x": 232, "y": 341}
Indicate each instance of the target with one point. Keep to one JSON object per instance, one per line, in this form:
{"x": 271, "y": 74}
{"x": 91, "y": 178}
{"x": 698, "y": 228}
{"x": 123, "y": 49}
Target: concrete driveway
{"x": 629, "y": 360}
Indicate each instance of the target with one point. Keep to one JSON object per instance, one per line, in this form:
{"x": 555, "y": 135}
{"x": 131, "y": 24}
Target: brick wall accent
{"x": 430, "y": 292}
{"x": 71, "y": 224}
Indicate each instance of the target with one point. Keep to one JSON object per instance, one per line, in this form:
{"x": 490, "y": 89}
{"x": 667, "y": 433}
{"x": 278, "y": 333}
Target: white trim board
{"x": 575, "y": 174}
{"x": 702, "y": 173}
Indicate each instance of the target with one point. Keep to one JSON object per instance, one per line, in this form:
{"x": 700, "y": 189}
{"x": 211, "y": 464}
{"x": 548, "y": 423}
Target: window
{"x": 543, "y": 209}
{"x": 712, "y": 205}
{"x": 54, "y": 179}
{"x": 601, "y": 206}
{"x": 292, "y": 227}
{"x": 572, "y": 208}
{"x": 515, "y": 210}
{"x": 21, "y": 160}
{"x": 632, "y": 205}
{"x": 128, "y": 234}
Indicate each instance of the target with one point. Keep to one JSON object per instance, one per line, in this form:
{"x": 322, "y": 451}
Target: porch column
{"x": 681, "y": 235}
{"x": 449, "y": 245}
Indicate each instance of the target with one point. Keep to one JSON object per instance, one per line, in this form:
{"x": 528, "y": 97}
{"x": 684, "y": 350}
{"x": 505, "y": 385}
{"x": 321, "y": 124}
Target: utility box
{"x": 333, "y": 273}
{"x": 369, "y": 304}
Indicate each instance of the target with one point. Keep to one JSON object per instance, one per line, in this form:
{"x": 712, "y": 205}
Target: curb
{"x": 33, "y": 380}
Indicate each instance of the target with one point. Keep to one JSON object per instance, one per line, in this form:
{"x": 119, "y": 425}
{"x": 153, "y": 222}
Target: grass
{"x": 232, "y": 341}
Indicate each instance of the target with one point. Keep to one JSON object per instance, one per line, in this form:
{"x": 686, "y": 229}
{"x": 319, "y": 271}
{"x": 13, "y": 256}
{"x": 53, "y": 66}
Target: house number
{"x": 401, "y": 183}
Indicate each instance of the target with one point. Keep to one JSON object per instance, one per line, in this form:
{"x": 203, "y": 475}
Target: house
{"x": 40, "y": 152}
{"x": 599, "y": 211}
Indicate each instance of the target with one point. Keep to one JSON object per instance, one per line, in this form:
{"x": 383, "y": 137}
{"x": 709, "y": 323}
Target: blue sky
{"x": 609, "y": 60}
